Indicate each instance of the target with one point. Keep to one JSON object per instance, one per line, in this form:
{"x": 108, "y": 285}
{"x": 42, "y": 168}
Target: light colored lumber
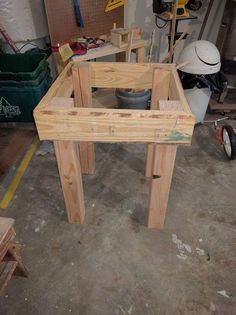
{"x": 162, "y": 171}
{"x": 130, "y": 46}
{"x": 113, "y": 125}
{"x": 151, "y": 45}
{"x": 160, "y": 89}
{"x": 141, "y": 54}
{"x": 168, "y": 123}
{"x": 68, "y": 161}
{"x": 62, "y": 86}
{"x": 83, "y": 98}
{"x": 170, "y": 105}
{"x": 172, "y": 36}
{"x": 176, "y": 92}
{"x": 110, "y": 50}
{"x": 164, "y": 160}
{"x": 122, "y": 75}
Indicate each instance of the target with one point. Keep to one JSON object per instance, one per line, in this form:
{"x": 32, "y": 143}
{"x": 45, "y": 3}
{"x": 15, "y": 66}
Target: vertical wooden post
{"x": 160, "y": 158}
{"x": 68, "y": 161}
{"x": 160, "y": 91}
{"x": 83, "y": 98}
{"x": 140, "y": 54}
{"x": 163, "y": 166}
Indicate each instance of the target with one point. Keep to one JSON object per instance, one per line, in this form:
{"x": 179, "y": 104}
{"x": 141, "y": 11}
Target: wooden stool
{"x": 10, "y": 259}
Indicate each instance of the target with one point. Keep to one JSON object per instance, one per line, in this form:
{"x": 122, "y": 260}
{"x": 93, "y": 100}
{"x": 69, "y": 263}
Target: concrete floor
{"x": 113, "y": 264}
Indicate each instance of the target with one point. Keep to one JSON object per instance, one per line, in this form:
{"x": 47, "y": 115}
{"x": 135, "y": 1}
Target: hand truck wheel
{"x": 229, "y": 142}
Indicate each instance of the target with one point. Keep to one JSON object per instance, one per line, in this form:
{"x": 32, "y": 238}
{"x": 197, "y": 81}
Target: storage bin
{"x": 21, "y": 67}
{"x": 17, "y": 103}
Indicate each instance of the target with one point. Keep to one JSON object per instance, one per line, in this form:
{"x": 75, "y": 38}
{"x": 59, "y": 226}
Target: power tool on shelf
{"x": 164, "y": 7}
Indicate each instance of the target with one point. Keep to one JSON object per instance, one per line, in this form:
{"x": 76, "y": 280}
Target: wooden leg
{"x": 160, "y": 90}
{"x": 149, "y": 160}
{"x": 140, "y": 54}
{"x": 87, "y": 157}
{"x": 68, "y": 161}
{"x": 83, "y": 98}
{"x": 163, "y": 166}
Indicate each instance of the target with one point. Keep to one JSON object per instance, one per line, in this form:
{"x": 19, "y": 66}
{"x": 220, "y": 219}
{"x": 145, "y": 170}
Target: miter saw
{"x": 164, "y": 7}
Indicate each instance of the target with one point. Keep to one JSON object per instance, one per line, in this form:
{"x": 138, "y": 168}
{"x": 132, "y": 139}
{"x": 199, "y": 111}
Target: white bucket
{"x": 198, "y": 100}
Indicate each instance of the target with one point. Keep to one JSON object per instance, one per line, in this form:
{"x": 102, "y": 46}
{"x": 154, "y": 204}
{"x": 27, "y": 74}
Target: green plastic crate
{"x": 26, "y": 83}
{"x": 17, "y": 103}
{"x": 20, "y": 67}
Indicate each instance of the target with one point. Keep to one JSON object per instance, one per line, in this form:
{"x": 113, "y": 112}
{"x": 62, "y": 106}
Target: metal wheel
{"x": 229, "y": 142}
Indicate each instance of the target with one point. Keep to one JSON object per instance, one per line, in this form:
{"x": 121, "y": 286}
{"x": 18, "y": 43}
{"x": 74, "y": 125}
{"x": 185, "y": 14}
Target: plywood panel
{"x": 62, "y": 22}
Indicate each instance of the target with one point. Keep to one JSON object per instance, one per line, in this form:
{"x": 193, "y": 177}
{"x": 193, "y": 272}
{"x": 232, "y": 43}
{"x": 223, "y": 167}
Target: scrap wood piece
{"x": 7, "y": 269}
{"x": 185, "y": 32}
{"x": 10, "y": 258}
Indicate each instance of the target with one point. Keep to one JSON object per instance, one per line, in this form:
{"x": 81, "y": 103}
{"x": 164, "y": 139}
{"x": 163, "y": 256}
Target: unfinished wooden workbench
{"x": 138, "y": 46}
{"x": 66, "y": 116}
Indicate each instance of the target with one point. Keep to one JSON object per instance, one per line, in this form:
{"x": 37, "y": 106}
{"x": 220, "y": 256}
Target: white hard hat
{"x": 203, "y": 57}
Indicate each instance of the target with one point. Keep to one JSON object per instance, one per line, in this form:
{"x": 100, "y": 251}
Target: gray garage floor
{"x": 113, "y": 264}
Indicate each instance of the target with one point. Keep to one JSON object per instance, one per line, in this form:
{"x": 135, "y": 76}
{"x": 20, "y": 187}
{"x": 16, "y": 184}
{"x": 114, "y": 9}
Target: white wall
{"x": 24, "y": 19}
{"x": 139, "y": 13}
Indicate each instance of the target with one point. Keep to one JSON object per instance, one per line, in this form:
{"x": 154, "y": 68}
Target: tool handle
{"x": 78, "y": 15}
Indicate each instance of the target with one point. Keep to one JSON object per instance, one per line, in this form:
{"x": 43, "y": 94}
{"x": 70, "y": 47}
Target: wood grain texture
{"x": 62, "y": 86}
{"x": 122, "y": 75}
{"x": 112, "y": 50}
{"x": 162, "y": 171}
{"x": 113, "y": 125}
{"x": 160, "y": 90}
{"x": 68, "y": 161}
{"x": 176, "y": 92}
{"x": 83, "y": 98}
{"x": 163, "y": 166}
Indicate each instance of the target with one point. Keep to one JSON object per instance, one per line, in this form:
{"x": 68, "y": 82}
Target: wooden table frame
{"x": 139, "y": 47}
{"x": 68, "y": 120}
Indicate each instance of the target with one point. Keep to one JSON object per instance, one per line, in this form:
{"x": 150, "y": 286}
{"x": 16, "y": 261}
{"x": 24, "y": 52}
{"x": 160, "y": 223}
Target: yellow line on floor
{"x": 19, "y": 173}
